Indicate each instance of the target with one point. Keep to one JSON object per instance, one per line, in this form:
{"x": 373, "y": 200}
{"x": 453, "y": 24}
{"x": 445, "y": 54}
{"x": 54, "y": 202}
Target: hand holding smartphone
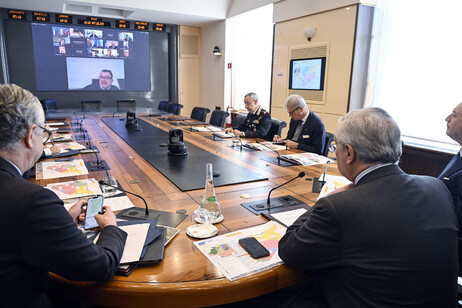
{"x": 254, "y": 247}
{"x": 94, "y": 206}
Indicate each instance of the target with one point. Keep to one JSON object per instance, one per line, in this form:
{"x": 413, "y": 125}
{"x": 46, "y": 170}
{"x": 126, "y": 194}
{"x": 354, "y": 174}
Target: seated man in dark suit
{"x": 452, "y": 174}
{"x": 306, "y": 130}
{"x": 37, "y": 234}
{"x": 257, "y": 122}
{"x": 105, "y": 82}
{"x": 389, "y": 239}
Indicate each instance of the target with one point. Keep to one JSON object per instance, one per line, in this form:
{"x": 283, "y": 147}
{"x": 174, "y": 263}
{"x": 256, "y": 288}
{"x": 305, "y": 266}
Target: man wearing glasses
{"x": 37, "y": 233}
{"x": 306, "y": 130}
{"x": 257, "y": 122}
{"x": 389, "y": 239}
{"x": 105, "y": 82}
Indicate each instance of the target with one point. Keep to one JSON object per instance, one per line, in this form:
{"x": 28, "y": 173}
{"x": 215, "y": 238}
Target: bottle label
{"x": 212, "y": 199}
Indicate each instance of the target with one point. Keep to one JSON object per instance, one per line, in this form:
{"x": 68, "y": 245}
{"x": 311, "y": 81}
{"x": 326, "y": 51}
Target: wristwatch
{"x": 242, "y": 134}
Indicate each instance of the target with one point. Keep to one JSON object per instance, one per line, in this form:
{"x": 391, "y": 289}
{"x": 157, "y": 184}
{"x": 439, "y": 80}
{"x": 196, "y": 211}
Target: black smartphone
{"x": 279, "y": 143}
{"x": 254, "y": 247}
{"x": 94, "y": 206}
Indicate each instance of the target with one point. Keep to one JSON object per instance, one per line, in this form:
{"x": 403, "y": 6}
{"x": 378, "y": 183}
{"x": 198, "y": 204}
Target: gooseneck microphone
{"x": 279, "y": 155}
{"x": 118, "y": 188}
{"x": 300, "y": 175}
{"x": 240, "y": 142}
{"x": 318, "y": 183}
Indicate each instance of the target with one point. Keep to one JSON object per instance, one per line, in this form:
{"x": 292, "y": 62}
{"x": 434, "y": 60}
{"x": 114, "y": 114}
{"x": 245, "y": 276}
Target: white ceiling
{"x": 182, "y": 12}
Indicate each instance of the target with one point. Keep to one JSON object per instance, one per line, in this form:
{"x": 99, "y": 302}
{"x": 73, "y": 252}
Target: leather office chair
{"x": 327, "y": 141}
{"x": 163, "y": 105}
{"x": 48, "y": 105}
{"x": 239, "y": 118}
{"x": 218, "y": 118}
{"x": 91, "y": 105}
{"x": 199, "y": 113}
{"x": 174, "y": 108}
{"x": 275, "y": 129}
{"x": 125, "y": 105}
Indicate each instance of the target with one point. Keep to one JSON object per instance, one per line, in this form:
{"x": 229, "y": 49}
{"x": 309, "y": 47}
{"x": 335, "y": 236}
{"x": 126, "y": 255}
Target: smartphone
{"x": 94, "y": 206}
{"x": 254, "y": 247}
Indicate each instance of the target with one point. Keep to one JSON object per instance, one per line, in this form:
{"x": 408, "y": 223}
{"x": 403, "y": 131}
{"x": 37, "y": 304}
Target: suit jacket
{"x": 391, "y": 241}
{"x": 452, "y": 178}
{"x": 96, "y": 87}
{"x": 256, "y": 125}
{"x": 38, "y": 235}
{"x": 313, "y": 135}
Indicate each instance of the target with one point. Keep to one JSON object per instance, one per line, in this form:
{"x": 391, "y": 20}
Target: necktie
{"x": 298, "y": 130}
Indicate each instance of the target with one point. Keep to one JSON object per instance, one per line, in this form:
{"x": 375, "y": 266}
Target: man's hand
{"x": 55, "y": 150}
{"x": 277, "y": 138}
{"x": 291, "y": 144}
{"x": 77, "y": 211}
{"x": 106, "y": 219}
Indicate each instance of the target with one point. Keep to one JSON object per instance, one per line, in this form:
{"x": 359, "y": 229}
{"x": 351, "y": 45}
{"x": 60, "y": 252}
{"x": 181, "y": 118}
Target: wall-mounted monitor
{"x": 307, "y": 74}
{"x": 82, "y": 58}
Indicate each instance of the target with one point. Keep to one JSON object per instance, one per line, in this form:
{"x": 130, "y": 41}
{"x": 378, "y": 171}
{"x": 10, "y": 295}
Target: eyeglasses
{"x": 292, "y": 112}
{"x": 248, "y": 103}
{"x": 49, "y": 133}
{"x": 333, "y": 147}
{"x": 105, "y": 77}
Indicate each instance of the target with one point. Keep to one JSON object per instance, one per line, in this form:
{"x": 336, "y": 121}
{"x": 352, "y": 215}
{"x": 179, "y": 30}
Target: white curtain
{"x": 416, "y": 65}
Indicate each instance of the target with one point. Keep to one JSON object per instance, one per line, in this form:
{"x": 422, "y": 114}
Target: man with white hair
{"x": 38, "y": 235}
{"x": 387, "y": 240}
{"x": 306, "y": 129}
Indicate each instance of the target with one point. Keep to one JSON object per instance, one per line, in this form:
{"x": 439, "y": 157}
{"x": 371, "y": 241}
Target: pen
{"x": 66, "y": 159}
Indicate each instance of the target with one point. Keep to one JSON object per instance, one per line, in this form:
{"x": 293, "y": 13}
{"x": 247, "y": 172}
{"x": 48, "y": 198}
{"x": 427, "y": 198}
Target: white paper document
{"x": 118, "y": 203}
{"x": 206, "y": 129}
{"x": 135, "y": 242}
{"x": 287, "y": 218}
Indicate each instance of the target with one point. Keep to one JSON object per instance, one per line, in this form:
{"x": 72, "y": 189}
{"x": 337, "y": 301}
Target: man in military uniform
{"x": 258, "y": 121}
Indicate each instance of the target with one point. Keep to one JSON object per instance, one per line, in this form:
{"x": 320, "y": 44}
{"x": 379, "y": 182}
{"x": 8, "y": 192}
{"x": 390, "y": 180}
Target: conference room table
{"x": 185, "y": 277}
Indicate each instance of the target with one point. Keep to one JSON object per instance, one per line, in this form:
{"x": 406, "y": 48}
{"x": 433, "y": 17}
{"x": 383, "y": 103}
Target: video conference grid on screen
{"x": 69, "y": 58}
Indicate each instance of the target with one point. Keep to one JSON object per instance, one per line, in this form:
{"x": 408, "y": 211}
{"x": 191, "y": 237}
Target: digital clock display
{"x": 93, "y": 22}
{"x": 18, "y": 15}
{"x": 158, "y": 27}
{"x": 39, "y": 16}
{"x": 124, "y": 24}
{"x": 64, "y": 19}
{"x": 141, "y": 25}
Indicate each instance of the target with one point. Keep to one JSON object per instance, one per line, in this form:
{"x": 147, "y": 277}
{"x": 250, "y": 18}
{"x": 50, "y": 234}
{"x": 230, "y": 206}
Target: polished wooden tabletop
{"x": 186, "y": 278}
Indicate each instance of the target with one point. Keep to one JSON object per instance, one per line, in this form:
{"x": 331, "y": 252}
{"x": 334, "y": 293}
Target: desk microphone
{"x": 317, "y": 183}
{"x": 99, "y": 163}
{"x": 300, "y": 175}
{"x": 118, "y": 188}
{"x": 240, "y": 141}
{"x": 77, "y": 118}
{"x": 279, "y": 155}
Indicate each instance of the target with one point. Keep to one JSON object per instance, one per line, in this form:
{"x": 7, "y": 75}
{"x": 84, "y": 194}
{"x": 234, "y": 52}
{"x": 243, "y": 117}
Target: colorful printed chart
{"x": 63, "y": 168}
{"x": 233, "y": 261}
{"x": 75, "y": 189}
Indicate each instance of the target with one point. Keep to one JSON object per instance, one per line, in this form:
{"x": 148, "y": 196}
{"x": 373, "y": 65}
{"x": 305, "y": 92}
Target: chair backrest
{"x": 275, "y": 129}
{"x": 328, "y": 140}
{"x": 174, "y": 108}
{"x": 218, "y": 118}
{"x": 199, "y": 113}
{"x": 48, "y": 104}
{"x": 163, "y": 105}
{"x": 239, "y": 118}
{"x": 91, "y": 105}
{"x": 124, "y": 105}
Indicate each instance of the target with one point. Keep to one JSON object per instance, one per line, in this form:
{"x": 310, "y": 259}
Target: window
{"x": 249, "y": 45}
{"x": 416, "y": 66}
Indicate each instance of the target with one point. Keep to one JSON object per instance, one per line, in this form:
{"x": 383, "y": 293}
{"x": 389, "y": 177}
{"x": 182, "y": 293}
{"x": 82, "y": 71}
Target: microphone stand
{"x": 279, "y": 155}
{"x": 99, "y": 164}
{"x": 317, "y": 183}
{"x": 240, "y": 141}
{"x": 300, "y": 175}
{"x": 137, "y": 214}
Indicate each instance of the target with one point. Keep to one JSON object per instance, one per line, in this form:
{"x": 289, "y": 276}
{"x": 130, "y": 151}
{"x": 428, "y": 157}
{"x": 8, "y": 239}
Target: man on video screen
{"x": 105, "y": 82}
